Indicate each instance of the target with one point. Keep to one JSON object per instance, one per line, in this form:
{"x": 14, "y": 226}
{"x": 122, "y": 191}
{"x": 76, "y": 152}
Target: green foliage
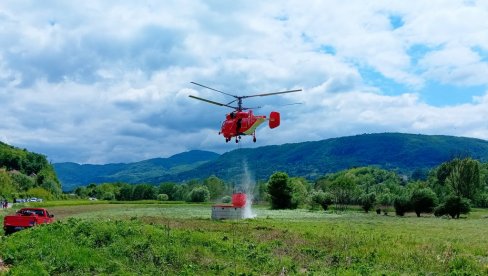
{"x": 423, "y": 201}
{"x": 344, "y": 189}
{"x": 6, "y": 184}
{"x": 299, "y": 191}
{"x": 481, "y": 200}
{"x": 279, "y": 191}
{"x": 163, "y": 197}
{"x": 464, "y": 178}
{"x": 226, "y": 199}
{"x": 168, "y": 188}
{"x": 322, "y": 199}
{"x": 39, "y": 193}
{"x": 454, "y": 206}
{"x": 368, "y": 201}
{"x": 215, "y": 186}
{"x": 402, "y": 205}
{"x": 199, "y": 194}
{"x": 26, "y": 170}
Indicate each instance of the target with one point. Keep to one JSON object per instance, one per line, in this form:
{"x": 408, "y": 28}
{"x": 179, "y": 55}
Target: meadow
{"x": 180, "y": 239}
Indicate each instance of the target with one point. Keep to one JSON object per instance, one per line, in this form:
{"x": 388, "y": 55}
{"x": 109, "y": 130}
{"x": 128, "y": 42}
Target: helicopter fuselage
{"x": 239, "y": 123}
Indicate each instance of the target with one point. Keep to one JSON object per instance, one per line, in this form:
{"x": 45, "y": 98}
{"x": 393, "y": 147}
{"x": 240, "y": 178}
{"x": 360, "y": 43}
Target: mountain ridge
{"x": 401, "y": 152}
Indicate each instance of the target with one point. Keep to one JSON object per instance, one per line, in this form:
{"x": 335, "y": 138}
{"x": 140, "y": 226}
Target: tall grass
{"x": 181, "y": 240}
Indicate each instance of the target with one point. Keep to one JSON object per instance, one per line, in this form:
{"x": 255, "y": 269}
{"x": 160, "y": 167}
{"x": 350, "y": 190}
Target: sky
{"x": 108, "y": 81}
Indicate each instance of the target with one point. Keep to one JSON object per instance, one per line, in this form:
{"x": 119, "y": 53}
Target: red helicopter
{"x": 242, "y": 121}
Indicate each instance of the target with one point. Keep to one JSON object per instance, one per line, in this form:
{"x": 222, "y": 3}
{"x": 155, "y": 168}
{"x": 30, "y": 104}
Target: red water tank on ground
{"x": 239, "y": 199}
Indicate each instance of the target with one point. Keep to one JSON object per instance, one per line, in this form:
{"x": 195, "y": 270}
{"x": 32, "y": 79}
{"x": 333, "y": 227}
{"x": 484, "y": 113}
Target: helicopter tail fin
{"x": 274, "y": 119}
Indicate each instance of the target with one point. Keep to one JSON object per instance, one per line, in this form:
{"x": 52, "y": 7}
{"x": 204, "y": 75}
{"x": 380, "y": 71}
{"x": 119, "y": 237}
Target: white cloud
{"x": 109, "y": 81}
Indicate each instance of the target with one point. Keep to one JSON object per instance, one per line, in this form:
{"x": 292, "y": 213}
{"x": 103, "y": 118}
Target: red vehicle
{"x": 26, "y": 218}
{"x": 241, "y": 122}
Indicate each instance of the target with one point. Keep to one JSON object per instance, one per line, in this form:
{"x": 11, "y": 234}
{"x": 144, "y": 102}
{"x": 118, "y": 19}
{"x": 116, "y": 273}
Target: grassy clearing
{"x": 181, "y": 240}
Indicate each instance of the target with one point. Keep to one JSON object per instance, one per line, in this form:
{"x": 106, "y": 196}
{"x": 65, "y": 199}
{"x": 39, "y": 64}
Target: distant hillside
{"x": 73, "y": 175}
{"x": 403, "y": 153}
{"x": 394, "y": 151}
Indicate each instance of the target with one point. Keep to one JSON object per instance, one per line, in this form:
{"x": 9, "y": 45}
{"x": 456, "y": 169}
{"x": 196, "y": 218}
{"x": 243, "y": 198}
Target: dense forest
{"x": 26, "y": 174}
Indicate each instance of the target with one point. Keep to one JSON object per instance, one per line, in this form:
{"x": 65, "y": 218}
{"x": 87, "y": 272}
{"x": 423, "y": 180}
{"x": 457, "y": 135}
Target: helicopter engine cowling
{"x": 274, "y": 119}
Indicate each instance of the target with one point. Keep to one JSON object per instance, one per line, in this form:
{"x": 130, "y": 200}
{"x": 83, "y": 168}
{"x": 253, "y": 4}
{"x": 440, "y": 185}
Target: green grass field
{"x": 180, "y": 239}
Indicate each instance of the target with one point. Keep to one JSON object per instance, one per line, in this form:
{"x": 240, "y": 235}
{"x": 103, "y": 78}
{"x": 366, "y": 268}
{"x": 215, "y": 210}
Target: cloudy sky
{"x": 108, "y": 81}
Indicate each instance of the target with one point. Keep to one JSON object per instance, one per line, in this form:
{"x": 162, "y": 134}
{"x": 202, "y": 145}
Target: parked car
{"x": 26, "y": 218}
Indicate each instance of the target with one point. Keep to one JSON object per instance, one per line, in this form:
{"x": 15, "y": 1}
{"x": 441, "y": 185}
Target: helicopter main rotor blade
{"x": 213, "y": 89}
{"x": 209, "y": 101}
{"x": 274, "y": 93}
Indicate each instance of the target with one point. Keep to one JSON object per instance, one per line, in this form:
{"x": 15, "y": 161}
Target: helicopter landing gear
{"x": 254, "y": 137}
{"x": 237, "y": 140}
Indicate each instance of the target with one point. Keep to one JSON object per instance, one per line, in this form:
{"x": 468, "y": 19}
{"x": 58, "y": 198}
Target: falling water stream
{"x": 248, "y": 184}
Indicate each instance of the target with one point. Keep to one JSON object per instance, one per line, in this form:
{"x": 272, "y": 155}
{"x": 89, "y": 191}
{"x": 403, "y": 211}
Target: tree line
{"x": 451, "y": 188}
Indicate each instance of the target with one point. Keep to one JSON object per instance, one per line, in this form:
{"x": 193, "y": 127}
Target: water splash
{"x": 248, "y": 184}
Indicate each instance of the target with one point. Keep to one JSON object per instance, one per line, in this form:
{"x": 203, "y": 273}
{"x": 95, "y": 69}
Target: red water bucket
{"x": 239, "y": 199}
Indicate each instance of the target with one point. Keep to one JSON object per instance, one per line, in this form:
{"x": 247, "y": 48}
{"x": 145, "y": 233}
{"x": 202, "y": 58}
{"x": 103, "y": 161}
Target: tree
{"x": 321, "y": 198}
{"x": 402, "y": 205}
{"x": 299, "y": 191}
{"x": 423, "y": 201}
{"x": 144, "y": 191}
{"x": 368, "y": 201}
{"x": 215, "y": 186}
{"x": 279, "y": 191}
{"x": 199, "y": 194}
{"x": 343, "y": 188}
{"x": 6, "y": 184}
{"x": 81, "y": 192}
{"x": 453, "y": 206}
{"x": 168, "y": 188}
{"x": 464, "y": 179}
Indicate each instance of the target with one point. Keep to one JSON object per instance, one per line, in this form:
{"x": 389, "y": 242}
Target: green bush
{"x": 402, "y": 205}
{"x": 199, "y": 194}
{"x": 321, "y": 198}
{"x": 226, "y": 199}
{"x": 423, "y": 201}
{"x": 368, "y": 201}
{"x": 453, "y": 206}
{"x": 163, "y": 197}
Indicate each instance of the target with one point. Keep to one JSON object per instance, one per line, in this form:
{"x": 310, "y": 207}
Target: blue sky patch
{"x": 396, "y": 21}
{"x": 437, "y": 94}
{"x": 327, "y": 49}
{"x": 388, "y": 86}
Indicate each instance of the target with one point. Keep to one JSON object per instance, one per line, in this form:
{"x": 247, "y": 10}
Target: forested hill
{"x": 25, "y": 173}
{"x": 404, "y": 153}
{"x": 73, "y": 175}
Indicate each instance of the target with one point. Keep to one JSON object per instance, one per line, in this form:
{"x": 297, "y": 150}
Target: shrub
{"x": 163, "y": 197}
{"x": 368, "y": 201}
{"x": 402, "y": 205}
{"x": 226, "y": 199}
{"x": 453, "y": 206}
{"x": 323, "y": 199}
{"x": 423, "y": 201}
{"x": 199, "y": 194}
